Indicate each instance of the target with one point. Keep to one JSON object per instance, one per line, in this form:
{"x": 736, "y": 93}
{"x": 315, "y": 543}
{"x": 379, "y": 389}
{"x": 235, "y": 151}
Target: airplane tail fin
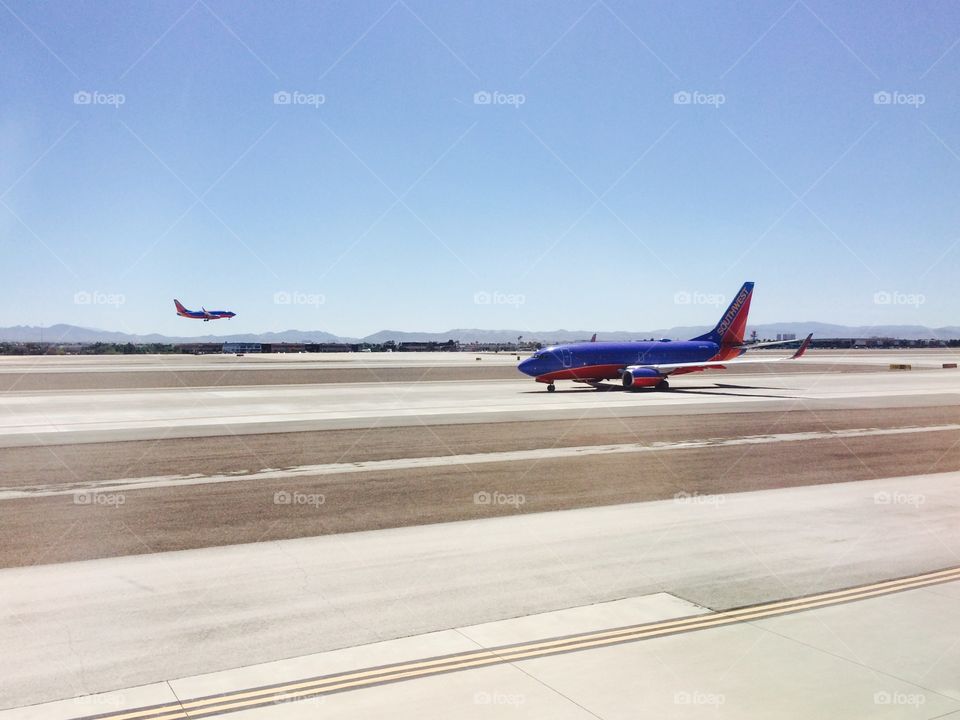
{"x": 733, "y": 323}
{"x": 180, "y": 308}
{"x": 803, "y": 347}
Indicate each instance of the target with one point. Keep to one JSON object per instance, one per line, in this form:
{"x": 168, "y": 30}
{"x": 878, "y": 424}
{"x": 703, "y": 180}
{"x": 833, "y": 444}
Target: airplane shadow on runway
{"x": 705, "y": 391}
{"x": 713, "y": 389}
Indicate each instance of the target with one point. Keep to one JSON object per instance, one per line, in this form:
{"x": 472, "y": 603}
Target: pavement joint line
{"x": 127, "y": 484}
{"x": 251, "y": 698}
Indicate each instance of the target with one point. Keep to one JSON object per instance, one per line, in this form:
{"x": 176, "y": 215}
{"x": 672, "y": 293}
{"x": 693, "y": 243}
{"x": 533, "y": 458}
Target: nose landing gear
{"x": 551, "y": 387}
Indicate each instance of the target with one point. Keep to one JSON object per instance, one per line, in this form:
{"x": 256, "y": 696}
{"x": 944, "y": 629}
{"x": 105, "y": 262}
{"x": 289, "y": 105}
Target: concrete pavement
{"x": 97, "y": 416}
{"x": 126, "y": 621}
{"x": 654, "y": 655}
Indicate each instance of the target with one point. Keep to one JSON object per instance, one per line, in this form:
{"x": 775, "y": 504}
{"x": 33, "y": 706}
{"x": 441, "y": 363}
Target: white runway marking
{"x": 40, "y": 418}
{"x": 117, "y": 485}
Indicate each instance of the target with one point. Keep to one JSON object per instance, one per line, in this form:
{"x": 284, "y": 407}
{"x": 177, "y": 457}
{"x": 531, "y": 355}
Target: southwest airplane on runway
{"x": 202, "y": 313}
{"x": 648, "y": 364}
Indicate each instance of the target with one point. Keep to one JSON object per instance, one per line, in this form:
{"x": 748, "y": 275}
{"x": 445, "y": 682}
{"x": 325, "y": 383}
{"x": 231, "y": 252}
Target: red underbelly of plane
{"x": 589, "y": 372}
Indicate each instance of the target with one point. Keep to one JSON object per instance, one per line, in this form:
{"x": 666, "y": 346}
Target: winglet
{"x": 803, "y": 347}
{"x": 594, "y": 338}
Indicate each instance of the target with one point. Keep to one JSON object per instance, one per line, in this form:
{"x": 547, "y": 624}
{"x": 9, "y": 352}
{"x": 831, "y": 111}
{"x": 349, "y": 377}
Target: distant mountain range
{"x": 767, "y": 330}
{"x": 73, "y": 334}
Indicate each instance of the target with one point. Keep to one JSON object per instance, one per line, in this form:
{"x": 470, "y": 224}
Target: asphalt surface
{"x": 32, "y": 381}
{"x": 84, "y": 627}
{"x": 93, "y": 416}
{"x": 732, "y": 489}
{"x": 81, "y": 526}
{"x": 76, "y": 440}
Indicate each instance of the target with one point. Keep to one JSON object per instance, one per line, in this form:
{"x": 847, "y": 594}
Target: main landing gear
{"x": 662, "y": 386}
{"x": 551, "y": 387}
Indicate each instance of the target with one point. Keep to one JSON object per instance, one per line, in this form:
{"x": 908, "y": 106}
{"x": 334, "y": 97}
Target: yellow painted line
{"x": 268, "y": 695}
{"x": 670, "y": 625}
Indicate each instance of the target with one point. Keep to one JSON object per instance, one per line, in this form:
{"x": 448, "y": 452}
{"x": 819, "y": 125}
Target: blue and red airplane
{"x": 648, "y": 364}
{"x": 202, "y": 313}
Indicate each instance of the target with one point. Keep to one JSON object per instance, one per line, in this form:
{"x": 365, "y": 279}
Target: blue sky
{"x": 608, "y": 165}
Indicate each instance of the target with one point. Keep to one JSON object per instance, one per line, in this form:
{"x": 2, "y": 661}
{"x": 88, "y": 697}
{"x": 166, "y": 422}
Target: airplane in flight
{"x": 202, "y": 313}
{"x": 648, "y": 364}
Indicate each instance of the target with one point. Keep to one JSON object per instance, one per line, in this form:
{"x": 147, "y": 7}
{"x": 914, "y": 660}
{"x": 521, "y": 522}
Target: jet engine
{"x": 638, "y": 376}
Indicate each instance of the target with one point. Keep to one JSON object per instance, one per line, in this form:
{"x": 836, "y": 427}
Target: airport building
{"x": 236, "y": 347}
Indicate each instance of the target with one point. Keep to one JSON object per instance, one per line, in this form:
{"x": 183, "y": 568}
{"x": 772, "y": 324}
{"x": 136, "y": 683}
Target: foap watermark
{"x": 296, "y": 97}
{"x": 285, "y": 497}
{"x": 95, "y": 97}
{"x": 499, "y": 498}
{"x": 94, "y": 702}
{"x": 685, "y": 297}
{"x": 284, "y": 297}
{"x": 698, "y": 697}
{"x": 315, "y": 701}
{"x": 895, "y": 297}
{"x": 696, "y": 498}
{"x": 484, "y": 297}
{"x": 498, "y": 698}
{"x": 696, "y": 97}
{"x": 914, "y": 500}
{"x": 495, "y": 97}
{"x": 884, "y": 697}
{"x": 893, "y": 97}
{"x": 85, "y": 297}
{"x": 102, "y": 499}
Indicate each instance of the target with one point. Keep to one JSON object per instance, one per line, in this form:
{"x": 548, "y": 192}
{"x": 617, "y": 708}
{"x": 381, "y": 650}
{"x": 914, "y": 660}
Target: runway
{"x": 271, "y": 532}
{"x": 117, "y": 372}
{"x": 88, "y": 492}
{"x": 31, "y": 418}
{"x": 253, "y": 603}
{"x": 183, "y": 371}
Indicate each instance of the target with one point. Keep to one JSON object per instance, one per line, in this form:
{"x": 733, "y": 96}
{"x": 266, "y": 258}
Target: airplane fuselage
{"x": 605, "y": 361}
{"x": 207, "y": 315}
{"x": 202, "y": 314}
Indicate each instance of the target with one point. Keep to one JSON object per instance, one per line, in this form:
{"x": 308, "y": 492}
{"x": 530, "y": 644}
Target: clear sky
{"x": 603, "y": 165}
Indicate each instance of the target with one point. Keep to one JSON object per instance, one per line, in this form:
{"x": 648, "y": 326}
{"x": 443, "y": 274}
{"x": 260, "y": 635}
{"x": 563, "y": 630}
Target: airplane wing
{"x": 667, "y": 368}
{"x": 768, "y": 343}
